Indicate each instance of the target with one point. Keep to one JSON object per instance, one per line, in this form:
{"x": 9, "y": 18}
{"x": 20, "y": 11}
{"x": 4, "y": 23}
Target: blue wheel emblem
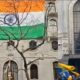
{"x": 10, "y": 19}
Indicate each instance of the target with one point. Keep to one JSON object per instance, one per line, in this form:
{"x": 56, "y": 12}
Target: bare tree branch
{"x": 33, "y": 61}
{"x": 17, "y": 43}
{"x": 24, "y": 59}
{"x": 5, "y": 33}
{"x": 21, "y": 21}
{"x": 35, "y": 47}
{"x": 10, "y": 34}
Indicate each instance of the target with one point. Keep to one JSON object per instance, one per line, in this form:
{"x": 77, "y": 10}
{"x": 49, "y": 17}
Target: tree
{"x": 13, "y": 18}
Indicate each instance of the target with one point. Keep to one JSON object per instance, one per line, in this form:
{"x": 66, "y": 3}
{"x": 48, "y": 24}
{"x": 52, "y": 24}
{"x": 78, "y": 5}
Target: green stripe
{"x": 24, "y": 32}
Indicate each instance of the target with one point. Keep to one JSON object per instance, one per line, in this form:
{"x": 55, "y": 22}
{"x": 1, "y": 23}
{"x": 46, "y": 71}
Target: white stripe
{"x": 29, "y": 19}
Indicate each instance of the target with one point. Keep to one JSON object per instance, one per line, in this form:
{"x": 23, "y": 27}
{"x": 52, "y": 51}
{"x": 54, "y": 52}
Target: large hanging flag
{"x": 63, "y": 73}
{"x": 22, "y": 19}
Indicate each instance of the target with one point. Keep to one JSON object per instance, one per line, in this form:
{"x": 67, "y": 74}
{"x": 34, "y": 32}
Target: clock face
{"x": 10, "y": 19}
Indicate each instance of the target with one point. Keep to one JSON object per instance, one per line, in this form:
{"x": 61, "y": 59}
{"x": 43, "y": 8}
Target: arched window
{"x": 76, "y": 23}
{"x": 10, "y": 71}
{"x": 34, "y": 71}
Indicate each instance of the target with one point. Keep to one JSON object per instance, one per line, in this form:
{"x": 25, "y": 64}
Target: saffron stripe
{"x": 21, "y": 6}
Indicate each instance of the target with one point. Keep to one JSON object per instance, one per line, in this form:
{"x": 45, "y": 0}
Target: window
{"x": 76, "y": 22}
{"x": 10, "y": 71}
{"x": 34, "y": 71}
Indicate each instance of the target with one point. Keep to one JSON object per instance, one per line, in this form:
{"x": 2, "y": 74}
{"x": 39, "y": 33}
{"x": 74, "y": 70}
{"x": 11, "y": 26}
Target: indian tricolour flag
{"x": 22, "y": 19}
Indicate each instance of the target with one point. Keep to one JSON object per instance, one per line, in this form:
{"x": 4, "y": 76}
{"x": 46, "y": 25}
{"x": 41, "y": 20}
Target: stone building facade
{"x": 62, "y": 22}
